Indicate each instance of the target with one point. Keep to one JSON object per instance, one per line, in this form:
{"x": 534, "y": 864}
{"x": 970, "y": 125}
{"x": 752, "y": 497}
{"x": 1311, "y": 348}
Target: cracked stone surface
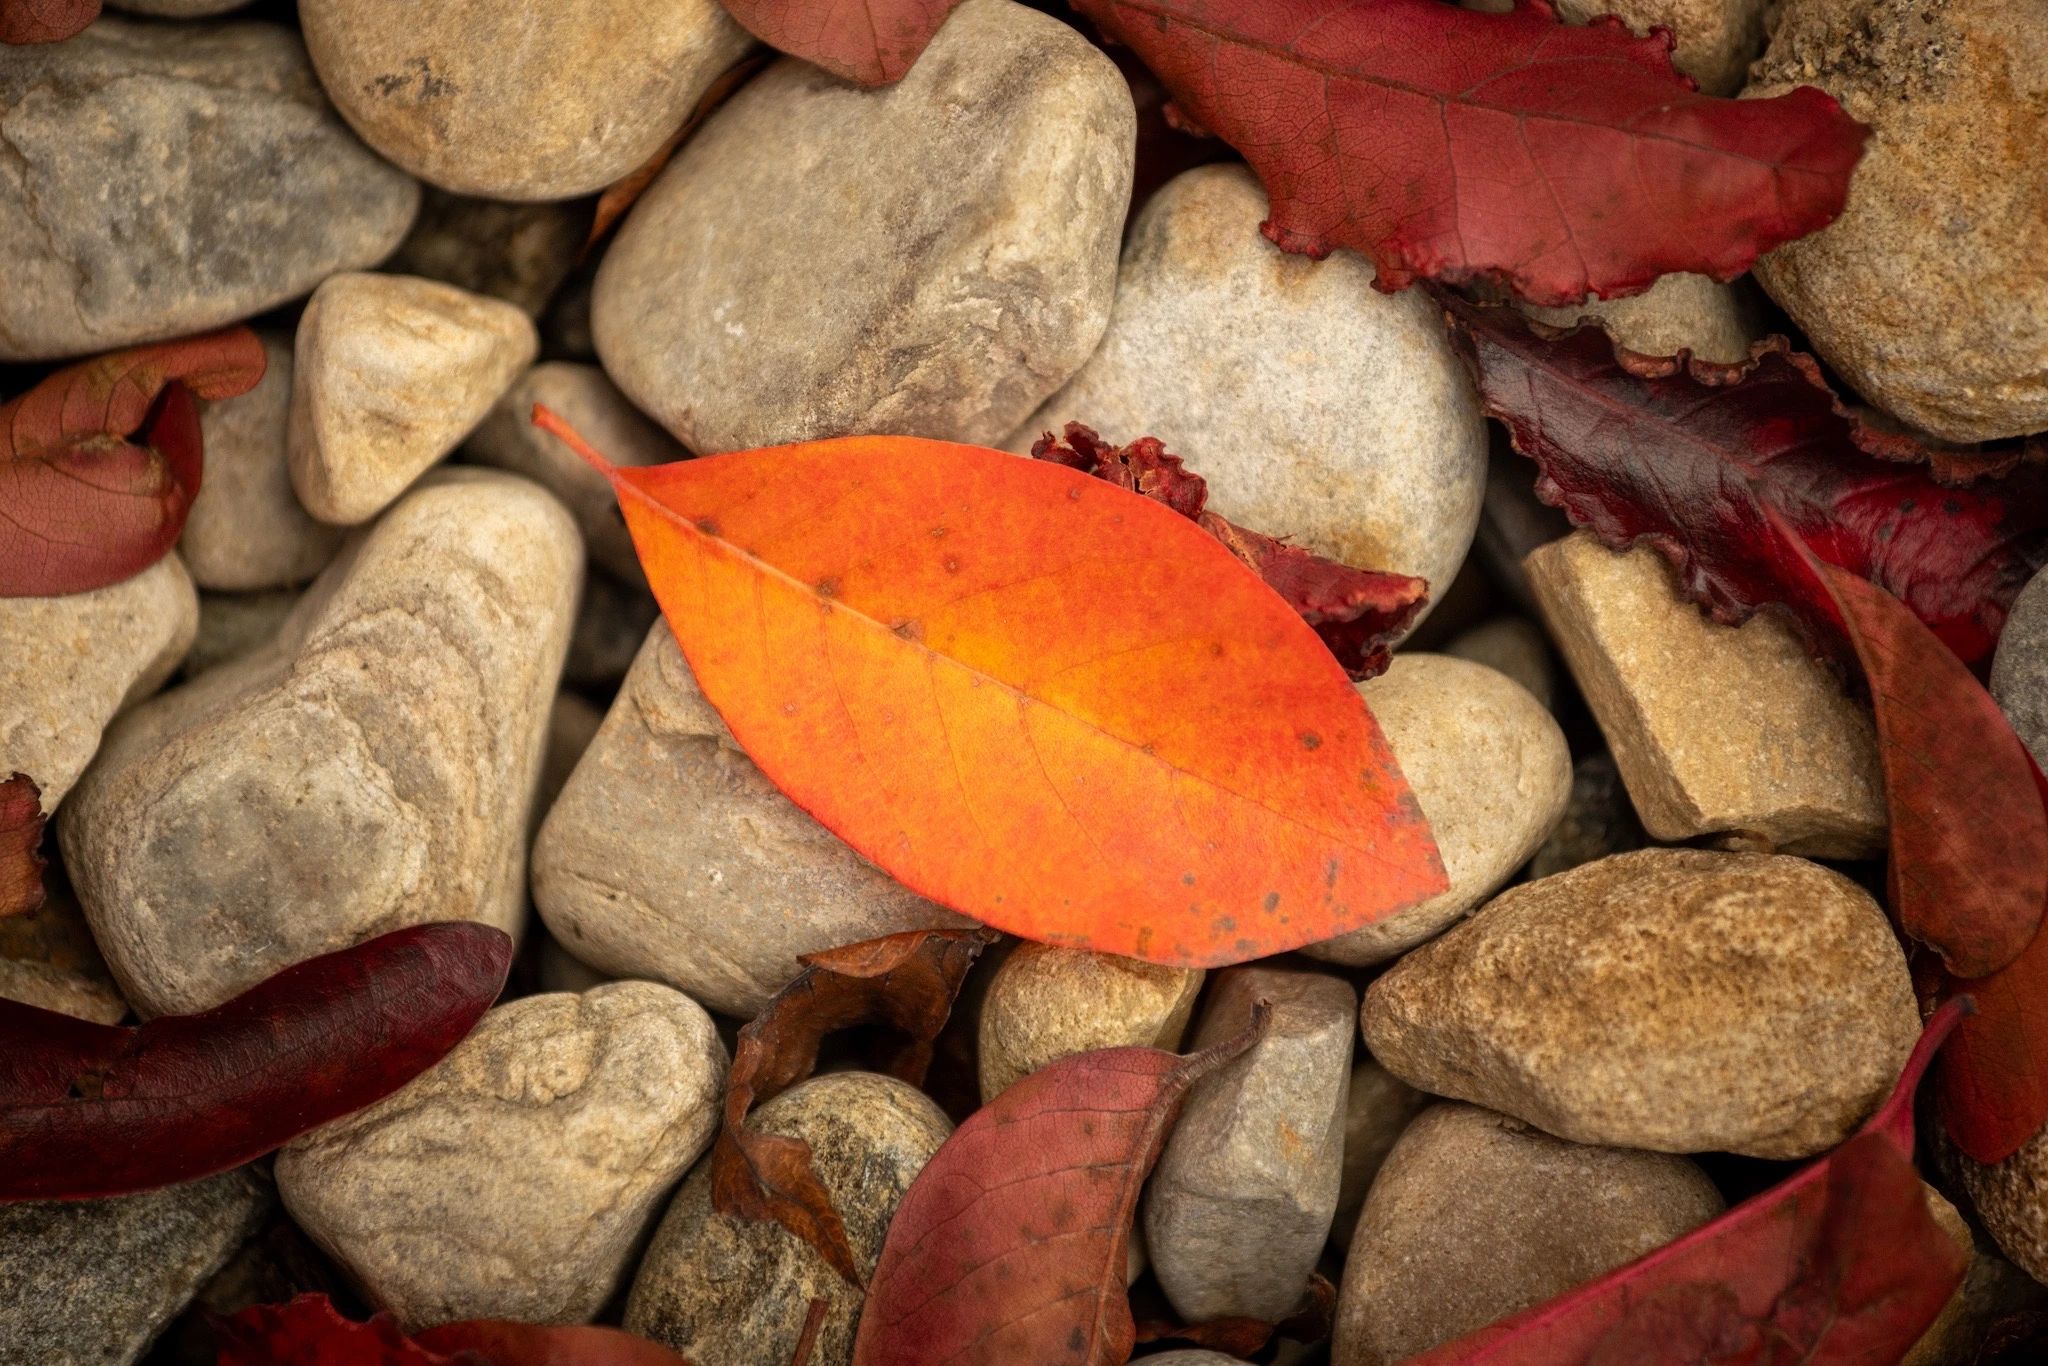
{"x": 515, "y": 1178}
{"x": 964, "y": 286}
{"x": 255, "y": 190}
{"x": 669, "y": 856}
{"x": 370, "y": 767}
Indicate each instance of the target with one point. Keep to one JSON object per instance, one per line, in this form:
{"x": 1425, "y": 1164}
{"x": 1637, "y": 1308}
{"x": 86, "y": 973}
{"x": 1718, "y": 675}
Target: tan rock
{"x": 1240, "y": 1203}
{"x": 371, "y": 768}
{"x": 593, "y": 405}
{"x": 1475, "y": 1217}
{"x": 48, "y": 959}
{"x": 2011, "y": 1198}
{"x": 1046, "y": 1003}
{"x": 68, "y": 664}
{"x": 233, "y": 624}
{"x": 1680, "y": 1000}
{"x": 932, "y": 258}
{"x": 731, "y": 1292}
{"x": 1727, "y": 731}
{"x": 515, "y": 1178}
{"x": 246, "y": 529}
{"x": 1377, "y": 1111}
{"x": 519, "y": 101}
{"x": 1492, "y": 772}
{"x": 1680, "y": 312}
{"x": 669, "y": 855}
{"x": 1717, "y": 39}
{"x": 1314, "y": 407}
{"x": 1514, "y": 646}
{"x": 572, "y": 725}
{"x": 2019, "y": 671}
{"x": 1930, "y": 292}
{"x": 390, "y": 373}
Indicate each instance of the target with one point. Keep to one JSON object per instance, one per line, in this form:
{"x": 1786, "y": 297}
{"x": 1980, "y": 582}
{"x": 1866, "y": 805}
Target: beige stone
{"x": 233, "y": 624}
{"x": 1476, "y": 1216}
{"x": 370, "y": 768}
{"x": 588, "y": 401}
{"x": 520, "y": 253}
{"x": 48, "y": 959}
{"x": 541, "y": 101}
{"x": 1377, "y": 1111}
{"x": 1314, "y": 407}
{"x": 670, "y": 856}
{"x": 1717, "y": 39}
{"x": 572, "y": 724}
{"x": 1514, "y": 646}
{"x": 1734, "y": 732}
{"x": 731, "y": 1292}
{"x": 1930, "y": 293}
{"x": 1680, "y": 1000}
{"x": 1047, "y": 1003}
{"x": 2011, "y": 1198}
{"x": 1680, "y": 312}
{"x": 390, "y": 373}
{"x": 2019, "y": 671}
{"x": 163, "y": 179}
{"x": 247, "y": 529}
{"x": 515, "y": 1178}
{"x": 1492, "y": 772}
{"x": 932, "y": 258}
{"x": 68, "y": 664}
{"x": 1240, "y": 1203}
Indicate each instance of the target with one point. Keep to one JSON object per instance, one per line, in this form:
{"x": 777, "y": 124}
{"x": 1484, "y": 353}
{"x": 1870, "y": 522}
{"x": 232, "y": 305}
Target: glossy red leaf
{"x": 869, "y": 42}
{"x": 1841, "y": 1263}
{"x": 1359, "y": 613}
{"x": 310, "y": 1331}
{"x": 45, "y": 21}
{"x": 1453, "y": 145}
{"x": 101, "y": 461}
{"x": 905, "y": 981}
{"x": 21, "y": 839}
{"x": 92, "y": 1110}
{"x": 1010, "y": 1245}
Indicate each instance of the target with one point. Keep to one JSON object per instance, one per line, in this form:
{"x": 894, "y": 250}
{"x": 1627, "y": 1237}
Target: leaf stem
{"x": 550, "y": 421}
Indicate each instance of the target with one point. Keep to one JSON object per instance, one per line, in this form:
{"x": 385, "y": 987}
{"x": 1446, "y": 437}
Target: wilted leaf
{"x": 869, "y": 42}
{"x": 1055, "y": 706}
{"x": 310, "y": 1331}
{"x": 1842, "y": 1263}
{"x": 1359, "y": 613}
{"x": 91, "y": 1110}
{"x": 1010, "y": 1245}
{"x": 622, "y": 193}
{"x": 1448, "y": 144}
{"x": 21, "y": 839}
{"x": 100, "y": 462}
{"x": 1743, "y": 474}
{"x": 45, "y": 21}
{"x": 906, "y": 981}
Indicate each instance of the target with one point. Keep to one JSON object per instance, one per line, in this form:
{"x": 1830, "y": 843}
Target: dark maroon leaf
{"x": 21, "y": 838}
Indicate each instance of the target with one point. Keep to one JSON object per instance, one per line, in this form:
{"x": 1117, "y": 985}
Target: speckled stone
{"x": 1489, "y": 767}
{"x": 2011, "y": 1198}
{"x": 515, "y": 1178}
{"x": 519, "y": 101}
{"x": 729, "y": 1292}
{"x": 1930, "y": 293}
{"x": 68, "y": 664}
{"x": 241, "y": 189}
{"x": 1680, "y": 1000}
{"x": 1476, "y": 1216}
{"x": 520, "y": 253}
{"x": 1992, "y": 1289}
{"x": 1046, "y": 1003}
{"x": 1681, "y": 312}
{"x": 963, "y": 285}
{"x": 1239, "y": 1206}
{"x": 1376, "y": 1113}
{"x": 2019, "y": 672}
{"x": 370, "y": 768}
{"x": 588, "y": 401}
{"x": 1785, "y": 760}
{"x": 669, "y": 855}
{"x": 390, "y": 373}
{"x": 92, "y": 1282}
{"x": 1316, "y": 408}
{"x": 247, "y": 530}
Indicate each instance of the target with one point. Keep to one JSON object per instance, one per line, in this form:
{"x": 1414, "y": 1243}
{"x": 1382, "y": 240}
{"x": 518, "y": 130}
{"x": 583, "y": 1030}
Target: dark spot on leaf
{"x": 910, "y": 628}
{"x": 1187, "y": 879}
{"x": 1272, "y": 902}
{"x": 828, "y": 587}
{"x": 1311, "y": 740}
{"x": 708, "y": 525}
{"x": 1077, "y": 1341}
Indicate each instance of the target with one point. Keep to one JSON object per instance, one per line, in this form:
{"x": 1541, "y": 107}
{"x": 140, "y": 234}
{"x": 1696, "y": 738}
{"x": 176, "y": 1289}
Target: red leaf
{"x": 869, "y": 42}
{"x": 1993, "y": 1080}
{"x": 1840, "y": 1263}
{"x": 44, "y": 21}
{"x": 91, "y": 1110}
{"x": 1359, "y": 613}
{"x": 906, "y": 981}
{"x": 1454, "y": 145}
{"x": 309, "y": 1331}
{"x": 1743, "y": 476}
{"x": 81, "y": 504}
{"x": 21, "y": 838}
{"x": 1010, "y": 1245}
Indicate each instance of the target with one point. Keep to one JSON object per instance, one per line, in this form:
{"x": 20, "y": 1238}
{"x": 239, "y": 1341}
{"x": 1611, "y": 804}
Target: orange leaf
{"x": 1054, "y": 705}
{"x": 21, "y": 837}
